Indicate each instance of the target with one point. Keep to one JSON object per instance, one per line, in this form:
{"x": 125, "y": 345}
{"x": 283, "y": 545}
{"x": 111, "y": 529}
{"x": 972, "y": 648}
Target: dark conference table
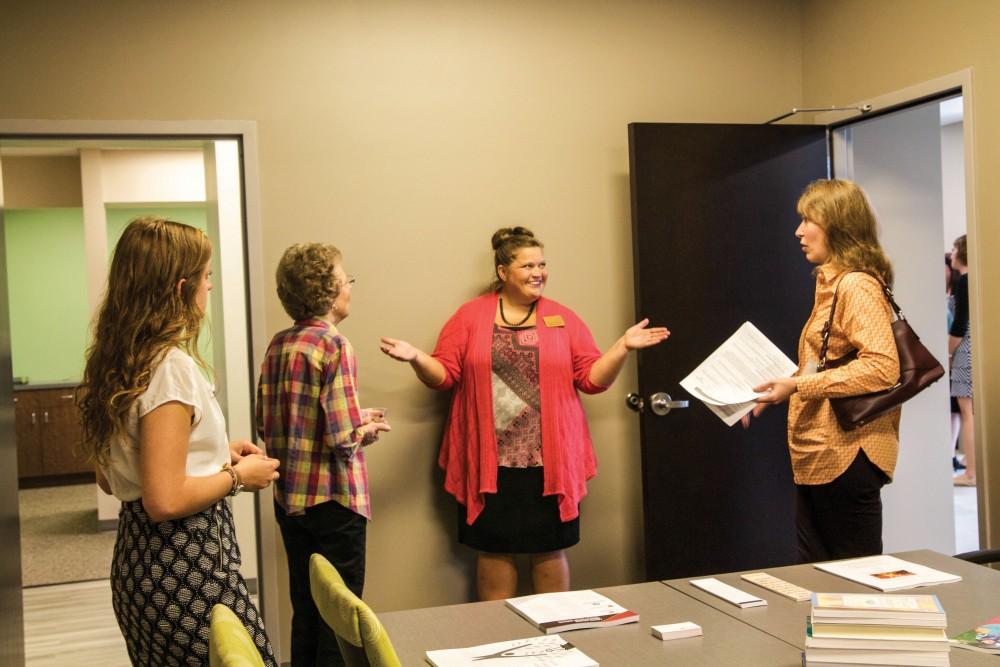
{"x": 771, "y": 636}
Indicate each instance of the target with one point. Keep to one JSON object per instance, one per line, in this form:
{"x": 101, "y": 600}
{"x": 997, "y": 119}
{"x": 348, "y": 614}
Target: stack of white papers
{"x": 729, "y": 593}
{"x": 545, "y": 651}
{"x": 724, "y": 382}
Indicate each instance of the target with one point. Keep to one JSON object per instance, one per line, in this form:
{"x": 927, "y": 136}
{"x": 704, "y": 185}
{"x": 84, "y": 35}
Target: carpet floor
{"x": 60, "y": 541}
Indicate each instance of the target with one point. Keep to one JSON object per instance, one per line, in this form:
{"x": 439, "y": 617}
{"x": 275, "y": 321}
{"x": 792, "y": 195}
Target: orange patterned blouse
{"x": 820, "y": 450}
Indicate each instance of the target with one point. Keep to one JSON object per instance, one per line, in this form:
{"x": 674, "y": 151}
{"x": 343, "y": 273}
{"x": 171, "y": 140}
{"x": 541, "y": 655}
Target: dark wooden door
{"x": 713, "y": 222}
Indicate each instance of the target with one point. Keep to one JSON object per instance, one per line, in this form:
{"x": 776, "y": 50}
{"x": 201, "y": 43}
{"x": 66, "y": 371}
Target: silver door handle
{"x": 661, "y": 404}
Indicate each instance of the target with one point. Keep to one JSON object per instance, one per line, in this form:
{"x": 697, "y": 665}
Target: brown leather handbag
{"x": 918, "y": 369}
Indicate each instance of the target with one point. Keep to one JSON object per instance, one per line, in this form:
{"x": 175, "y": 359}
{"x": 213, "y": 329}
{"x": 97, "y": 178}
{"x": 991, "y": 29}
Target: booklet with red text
{"x": 572, "y": 610}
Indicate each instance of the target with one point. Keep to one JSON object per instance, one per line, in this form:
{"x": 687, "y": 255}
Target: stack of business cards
{"x": 676, "y": 630}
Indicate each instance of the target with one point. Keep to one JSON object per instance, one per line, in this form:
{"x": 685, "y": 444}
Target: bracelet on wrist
{"x": 237, "y": 482}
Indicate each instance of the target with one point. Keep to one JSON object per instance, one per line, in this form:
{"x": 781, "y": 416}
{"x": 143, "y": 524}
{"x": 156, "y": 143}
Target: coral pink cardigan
{"x": 469, "y": 450}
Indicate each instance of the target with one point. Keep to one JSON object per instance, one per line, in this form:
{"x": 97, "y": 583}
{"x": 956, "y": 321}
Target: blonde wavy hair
{"x": 842, "y": 210}
{"x": 146, "y": 311}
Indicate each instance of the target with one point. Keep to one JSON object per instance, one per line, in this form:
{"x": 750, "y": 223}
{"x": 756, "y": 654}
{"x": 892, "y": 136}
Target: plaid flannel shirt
{"x": 309, "y": 418}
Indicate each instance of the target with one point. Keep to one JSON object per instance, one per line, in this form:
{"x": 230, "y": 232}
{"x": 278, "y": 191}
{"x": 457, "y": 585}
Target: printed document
{"x": 724, "y": 382}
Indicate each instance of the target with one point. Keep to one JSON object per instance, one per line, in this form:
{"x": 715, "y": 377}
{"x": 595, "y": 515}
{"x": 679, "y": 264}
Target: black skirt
{"x": 518, "y": 519}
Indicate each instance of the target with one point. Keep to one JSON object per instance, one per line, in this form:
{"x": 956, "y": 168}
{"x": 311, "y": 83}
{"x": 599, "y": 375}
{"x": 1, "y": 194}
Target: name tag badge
{"x": 554, "y": 321}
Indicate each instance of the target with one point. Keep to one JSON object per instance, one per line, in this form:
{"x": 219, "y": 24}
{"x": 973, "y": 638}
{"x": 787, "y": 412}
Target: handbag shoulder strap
{"x": 833, "y": 307}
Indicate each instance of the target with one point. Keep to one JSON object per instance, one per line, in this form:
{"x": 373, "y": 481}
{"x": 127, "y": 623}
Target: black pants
{"x": 841, "y": 519}
{"x": 338, "y": 534}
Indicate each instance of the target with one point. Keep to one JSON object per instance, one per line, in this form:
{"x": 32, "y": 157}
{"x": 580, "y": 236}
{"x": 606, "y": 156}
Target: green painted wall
{"x": 47, "y": 285}
{"x": 118, "y": 218}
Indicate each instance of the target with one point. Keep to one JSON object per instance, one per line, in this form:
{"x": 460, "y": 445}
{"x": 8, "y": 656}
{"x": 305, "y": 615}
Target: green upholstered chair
{"x": 362, "y": 639}
{"x": 229, "y": 643}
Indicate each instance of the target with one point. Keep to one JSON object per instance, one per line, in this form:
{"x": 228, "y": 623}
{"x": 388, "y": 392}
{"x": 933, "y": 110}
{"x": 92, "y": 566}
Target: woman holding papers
{"x": 839, "y": 474}
{"x": 517, "y": 452}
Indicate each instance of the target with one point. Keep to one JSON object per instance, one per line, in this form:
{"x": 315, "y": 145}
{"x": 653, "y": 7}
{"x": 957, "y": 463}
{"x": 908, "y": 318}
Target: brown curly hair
{"x": 307, "y": 285}
{"x": 146, "y": 311}
{"x": 841, "y": 209}
{"x": 506, "y": 242}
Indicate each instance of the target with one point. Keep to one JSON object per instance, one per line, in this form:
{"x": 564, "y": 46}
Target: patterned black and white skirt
{"x": 167, "y": 576}
{"x": 961, "y": 368}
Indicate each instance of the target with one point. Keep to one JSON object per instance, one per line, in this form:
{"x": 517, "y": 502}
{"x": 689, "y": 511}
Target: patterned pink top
{"x": 516, "y": 401}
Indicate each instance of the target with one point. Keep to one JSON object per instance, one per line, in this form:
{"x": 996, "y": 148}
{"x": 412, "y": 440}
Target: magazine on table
{"x": 544, "y": 651}
{"x": 887, "y": 573}
{"x": 984, "y": 638}
{"x": 571, "y": 610}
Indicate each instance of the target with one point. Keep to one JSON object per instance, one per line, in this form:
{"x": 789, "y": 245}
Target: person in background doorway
{"x": 152, "y": 423}
{"x": 960, "y": 349}
{"x": 517, "y": 453}
{"x": 309, "y": 418}
{"x": 839, "y": 474}
{"x": 956, "y": 417}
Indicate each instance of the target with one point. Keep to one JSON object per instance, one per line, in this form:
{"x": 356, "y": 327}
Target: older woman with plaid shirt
{"x": 309, "y": 417}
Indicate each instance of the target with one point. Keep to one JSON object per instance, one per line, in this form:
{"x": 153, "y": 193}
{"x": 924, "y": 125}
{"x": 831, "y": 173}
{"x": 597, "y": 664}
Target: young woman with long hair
{"x": 154, "y": 428}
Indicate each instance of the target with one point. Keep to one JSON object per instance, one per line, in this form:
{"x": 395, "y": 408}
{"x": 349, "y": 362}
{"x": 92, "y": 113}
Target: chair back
{"x": 362, "y": 639}
{"x": 229, "y": 643}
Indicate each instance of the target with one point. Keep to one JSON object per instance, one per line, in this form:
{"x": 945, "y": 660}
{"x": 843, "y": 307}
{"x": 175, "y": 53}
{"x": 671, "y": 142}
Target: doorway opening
{"x": 911, "y": 162}
{"x": 65, "y": 200}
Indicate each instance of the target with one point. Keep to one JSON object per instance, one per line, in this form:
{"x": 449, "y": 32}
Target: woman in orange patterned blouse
{"x": 839, "y": 474}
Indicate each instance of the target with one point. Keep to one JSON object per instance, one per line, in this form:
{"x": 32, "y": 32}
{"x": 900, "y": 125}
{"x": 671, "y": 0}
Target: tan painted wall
{"x": 405, "y": 133}
{"x": 857, "y": 49}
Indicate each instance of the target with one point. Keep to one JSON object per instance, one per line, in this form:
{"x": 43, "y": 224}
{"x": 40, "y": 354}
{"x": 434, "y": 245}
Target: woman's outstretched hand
{"x": 638, "y": 336}
{"x": 399, "y": 350}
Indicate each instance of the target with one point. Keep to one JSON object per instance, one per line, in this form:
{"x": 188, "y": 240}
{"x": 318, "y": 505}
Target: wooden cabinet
{"x": 49, "y": 436}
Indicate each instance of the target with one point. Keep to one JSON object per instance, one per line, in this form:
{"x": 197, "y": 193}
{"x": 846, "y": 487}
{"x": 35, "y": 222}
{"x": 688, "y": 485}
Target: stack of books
{"x": 863, "y": 629}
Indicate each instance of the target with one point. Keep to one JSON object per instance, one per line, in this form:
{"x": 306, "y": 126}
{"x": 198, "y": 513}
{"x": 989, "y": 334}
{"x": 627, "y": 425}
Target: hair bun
{"x": 503, "y": 234}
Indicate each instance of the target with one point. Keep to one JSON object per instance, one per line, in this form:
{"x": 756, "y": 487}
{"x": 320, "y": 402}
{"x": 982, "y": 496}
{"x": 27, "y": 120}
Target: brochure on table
{"x": 724, "y": 381}
{"x": 572, "y": 610}
{"x": 984, "y": 638}
{"x": 544, "y": 651}
{"x": 887, "y": 573}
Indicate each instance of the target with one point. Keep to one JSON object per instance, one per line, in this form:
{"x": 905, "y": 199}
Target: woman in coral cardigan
{"x": 517, "y": 452}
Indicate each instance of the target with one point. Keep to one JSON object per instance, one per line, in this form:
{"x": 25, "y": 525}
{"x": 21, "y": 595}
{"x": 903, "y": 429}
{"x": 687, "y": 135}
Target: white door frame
{"x": 246, "y": 133}
{"x": 989, "y": 515}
